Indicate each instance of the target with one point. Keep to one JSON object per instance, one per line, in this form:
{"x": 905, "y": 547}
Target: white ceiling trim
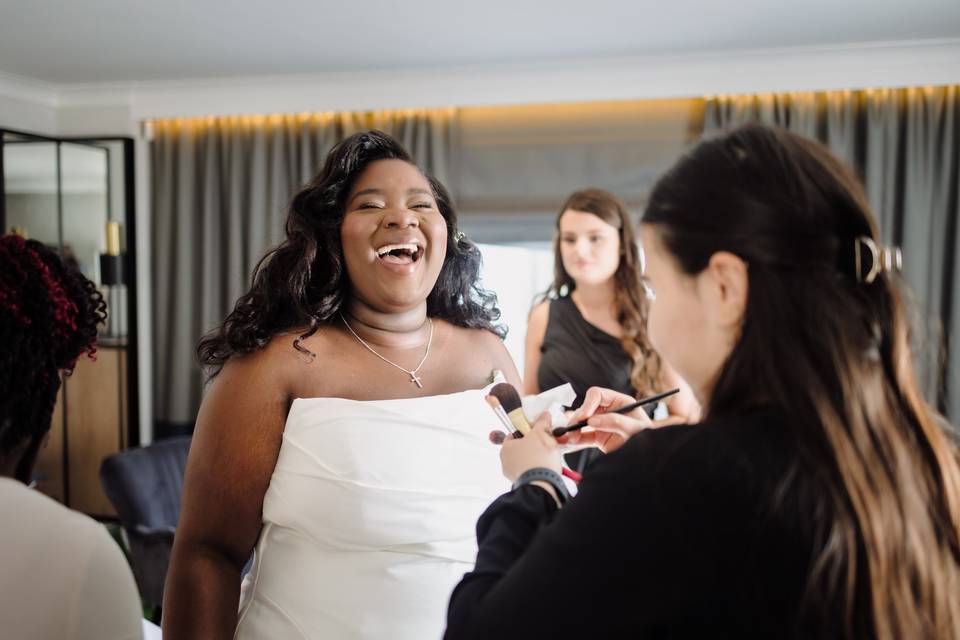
{"x": 788, "y": 69}
{"x": 908, "y": 63}
{"x": 29, "y": 90}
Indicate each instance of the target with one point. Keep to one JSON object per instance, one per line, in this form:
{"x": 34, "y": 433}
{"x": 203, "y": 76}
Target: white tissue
{"x": 552, "y": 401}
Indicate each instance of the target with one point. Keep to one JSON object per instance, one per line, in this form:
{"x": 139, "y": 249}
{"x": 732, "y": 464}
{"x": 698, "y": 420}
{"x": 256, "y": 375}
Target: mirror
{"x": 63, "y": 194}
{"x": 30, "y": 182}
{"x": 84, "y": 202}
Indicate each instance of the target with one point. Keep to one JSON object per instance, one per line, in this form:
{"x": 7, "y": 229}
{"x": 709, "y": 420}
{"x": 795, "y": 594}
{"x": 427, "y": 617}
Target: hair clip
{"x": 881, "y": 258}
{"x": 459, "y": 235}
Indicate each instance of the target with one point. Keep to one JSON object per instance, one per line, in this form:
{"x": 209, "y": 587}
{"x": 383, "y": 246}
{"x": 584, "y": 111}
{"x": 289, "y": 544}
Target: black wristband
{"x": 549, "y": 476}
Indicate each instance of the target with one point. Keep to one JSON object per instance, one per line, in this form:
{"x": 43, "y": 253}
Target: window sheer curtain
{"x": 220, "y": 188}
{"x": 904, "y": 144}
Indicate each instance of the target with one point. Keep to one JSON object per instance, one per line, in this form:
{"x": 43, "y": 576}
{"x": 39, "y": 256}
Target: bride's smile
{"x": 394, "y": 236}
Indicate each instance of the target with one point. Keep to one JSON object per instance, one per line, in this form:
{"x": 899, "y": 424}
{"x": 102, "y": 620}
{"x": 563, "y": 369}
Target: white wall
{"x": 118, "y": 109}
{"x": 26, "y": 105}
{"x": 517, "y": 275}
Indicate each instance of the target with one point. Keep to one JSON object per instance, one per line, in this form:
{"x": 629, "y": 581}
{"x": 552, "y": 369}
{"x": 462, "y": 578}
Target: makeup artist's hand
{"x": 608, "y": 431}
{"x": 537, "y": 449}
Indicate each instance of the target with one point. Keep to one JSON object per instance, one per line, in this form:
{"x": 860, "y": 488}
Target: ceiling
{"x": 136, "y": 40}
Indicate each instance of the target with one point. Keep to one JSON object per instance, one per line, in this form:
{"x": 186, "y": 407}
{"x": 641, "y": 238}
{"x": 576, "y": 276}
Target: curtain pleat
{"x": 904, "y": 144}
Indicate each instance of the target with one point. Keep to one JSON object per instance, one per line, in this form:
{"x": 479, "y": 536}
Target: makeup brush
{"x": 559, "y": 431}
{"x": 508, "y": 400}
{"x": 502, "y": 416}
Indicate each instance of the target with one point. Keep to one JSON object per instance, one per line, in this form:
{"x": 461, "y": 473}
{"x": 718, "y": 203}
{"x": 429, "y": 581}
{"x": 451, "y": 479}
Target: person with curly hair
{"x": 61, "y": 574}
{"x": 344, "y": 435}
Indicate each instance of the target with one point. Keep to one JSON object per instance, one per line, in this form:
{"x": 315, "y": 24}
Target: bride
{"x": 361, "y": 351}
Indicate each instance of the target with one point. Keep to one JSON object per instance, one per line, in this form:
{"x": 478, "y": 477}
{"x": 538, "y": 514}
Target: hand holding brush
{"x": 559, "y": 431}
{"x": 506, "y": 404}
{"x": 607, "y": 413}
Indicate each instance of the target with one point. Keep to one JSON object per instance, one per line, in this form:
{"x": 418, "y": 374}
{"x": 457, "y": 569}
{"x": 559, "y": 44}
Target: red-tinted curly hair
{"x": 49, "y": 314}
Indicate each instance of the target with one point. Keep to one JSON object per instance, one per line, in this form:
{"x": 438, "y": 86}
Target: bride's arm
{"x": 232, "y": 457}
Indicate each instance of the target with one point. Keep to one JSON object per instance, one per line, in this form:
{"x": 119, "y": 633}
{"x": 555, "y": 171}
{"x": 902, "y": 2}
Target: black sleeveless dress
{"x": 584, "y": 355}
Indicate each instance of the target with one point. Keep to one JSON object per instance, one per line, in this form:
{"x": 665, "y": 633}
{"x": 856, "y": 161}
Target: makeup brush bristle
{"x": 507, "y": 395}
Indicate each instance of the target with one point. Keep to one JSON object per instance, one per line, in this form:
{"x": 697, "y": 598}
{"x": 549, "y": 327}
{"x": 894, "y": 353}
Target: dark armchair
{"x": 144, "y": 486}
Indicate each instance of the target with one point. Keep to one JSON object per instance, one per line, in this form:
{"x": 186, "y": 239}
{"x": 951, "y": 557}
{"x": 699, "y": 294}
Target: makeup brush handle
{"x": 559, "y": 431}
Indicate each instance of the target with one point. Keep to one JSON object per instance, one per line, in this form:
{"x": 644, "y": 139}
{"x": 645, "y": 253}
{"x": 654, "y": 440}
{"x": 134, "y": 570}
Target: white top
{"x": 61, "y": 574}
{"x": 369, "y": 520}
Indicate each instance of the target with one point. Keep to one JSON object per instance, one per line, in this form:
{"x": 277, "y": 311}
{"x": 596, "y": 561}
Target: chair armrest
{"x": 150, "y": 555}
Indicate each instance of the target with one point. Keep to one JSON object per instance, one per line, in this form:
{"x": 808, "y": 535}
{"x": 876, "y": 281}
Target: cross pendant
{"x": 415, "y": 379}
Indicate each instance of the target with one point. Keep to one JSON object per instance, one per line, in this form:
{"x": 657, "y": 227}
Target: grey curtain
{"x": 220, "y": 188}
{"x": 905, "y": 146}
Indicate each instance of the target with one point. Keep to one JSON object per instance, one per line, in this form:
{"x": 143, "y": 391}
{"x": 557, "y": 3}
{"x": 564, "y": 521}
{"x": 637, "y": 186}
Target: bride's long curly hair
{"x": 303, "y": 281}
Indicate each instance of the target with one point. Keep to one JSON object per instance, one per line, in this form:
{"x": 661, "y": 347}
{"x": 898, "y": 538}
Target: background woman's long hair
{"x": 303, "y": 282}
{"x": 629, "y": 297}
{"x": 833, "y": 352}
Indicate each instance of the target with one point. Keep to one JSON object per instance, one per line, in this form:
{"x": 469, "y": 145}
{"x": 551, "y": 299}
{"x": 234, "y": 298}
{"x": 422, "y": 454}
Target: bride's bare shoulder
{"x": 483, "y": 349}
{"x": 285, "y": 355}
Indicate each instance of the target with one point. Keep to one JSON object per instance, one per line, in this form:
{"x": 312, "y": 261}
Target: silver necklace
{"x": 414, "y": 378}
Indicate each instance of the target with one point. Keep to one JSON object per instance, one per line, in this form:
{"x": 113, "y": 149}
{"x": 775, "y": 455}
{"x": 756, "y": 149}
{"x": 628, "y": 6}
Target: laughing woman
{"x": 344, "y": 436}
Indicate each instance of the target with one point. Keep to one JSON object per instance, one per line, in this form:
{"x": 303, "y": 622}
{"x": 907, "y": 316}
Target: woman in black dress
{"x": 590, "y": 329}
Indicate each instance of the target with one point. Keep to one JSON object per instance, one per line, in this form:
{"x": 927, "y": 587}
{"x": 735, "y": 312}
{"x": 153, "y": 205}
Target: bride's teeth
{"x": 411, "y": 248}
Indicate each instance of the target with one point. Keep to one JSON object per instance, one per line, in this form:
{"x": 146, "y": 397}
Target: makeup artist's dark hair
{"x": 832, "y": 351}
{"x": 48, "y": 318}
{"x": 629, "y": 298}
{"x": 303, "y": 281}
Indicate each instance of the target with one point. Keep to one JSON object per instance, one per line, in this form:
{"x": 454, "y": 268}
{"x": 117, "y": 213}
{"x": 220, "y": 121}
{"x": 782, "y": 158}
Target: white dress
{"x": 369, "y": 520}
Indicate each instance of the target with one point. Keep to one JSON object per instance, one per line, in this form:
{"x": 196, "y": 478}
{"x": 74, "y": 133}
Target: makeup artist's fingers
{"x": 537, "y": 449}
{"x": 669, "y": 421}
{"x": 586, "y": 438}
{"x": 542, "y": 423}
{"x": 599, "y": 400}
{"x": 573, "y": 440}
{"x": 621, "y": 425}
{"x": 579, "y": 439}
{"x": 607, "y": 431}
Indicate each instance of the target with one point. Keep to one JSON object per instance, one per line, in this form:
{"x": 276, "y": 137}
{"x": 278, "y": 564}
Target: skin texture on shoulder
{"x": 487, "y": 352}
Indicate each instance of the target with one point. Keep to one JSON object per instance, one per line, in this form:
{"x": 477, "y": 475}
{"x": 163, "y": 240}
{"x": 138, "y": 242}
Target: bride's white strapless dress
{"x": 369, "y": 520}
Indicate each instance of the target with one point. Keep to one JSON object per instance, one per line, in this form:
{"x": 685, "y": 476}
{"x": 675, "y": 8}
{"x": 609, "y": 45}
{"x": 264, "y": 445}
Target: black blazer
{"x": 685, "y": 531}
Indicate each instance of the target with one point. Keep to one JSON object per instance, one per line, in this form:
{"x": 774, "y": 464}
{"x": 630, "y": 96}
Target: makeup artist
{"x": 591, "y": 327}
{"x": 819, "y": 496}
